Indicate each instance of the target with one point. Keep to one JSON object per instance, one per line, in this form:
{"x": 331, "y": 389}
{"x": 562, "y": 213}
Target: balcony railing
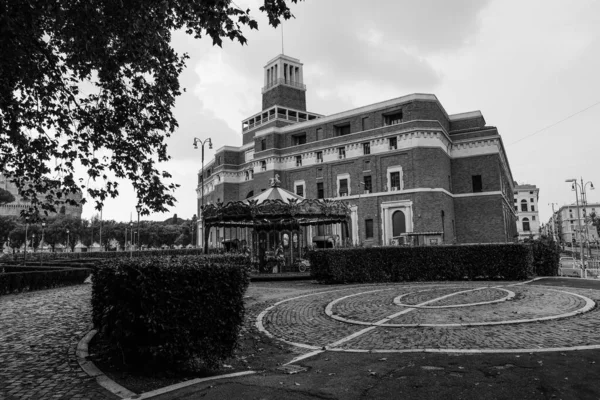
{"x": 284, "y": 81}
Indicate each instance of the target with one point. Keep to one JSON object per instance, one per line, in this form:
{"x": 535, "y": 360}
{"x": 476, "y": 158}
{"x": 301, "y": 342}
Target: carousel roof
{"x": 275, "y": 193}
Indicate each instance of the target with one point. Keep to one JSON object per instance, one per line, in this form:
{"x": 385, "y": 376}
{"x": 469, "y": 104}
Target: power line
{"x": 554, "y": 124}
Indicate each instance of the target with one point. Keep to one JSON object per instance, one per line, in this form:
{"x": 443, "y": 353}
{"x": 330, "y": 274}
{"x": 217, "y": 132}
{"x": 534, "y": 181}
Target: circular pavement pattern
{"x": 469, "y": 317}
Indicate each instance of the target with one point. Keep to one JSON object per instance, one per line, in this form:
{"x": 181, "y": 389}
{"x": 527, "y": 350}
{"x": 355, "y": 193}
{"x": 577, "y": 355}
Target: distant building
{"x": 15, "y": 208}
{"x": 568, "y": 226}
{"x": 526, "y": 207}
{"x": 410, "y": 172}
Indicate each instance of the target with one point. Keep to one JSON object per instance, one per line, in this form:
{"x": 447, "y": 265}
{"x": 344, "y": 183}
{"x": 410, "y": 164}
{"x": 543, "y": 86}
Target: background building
{"x": 526, "y": 207}
{"x": 410, "y": 172}
{"x": 15, "y": 208}
{"x": 568, "y": 226}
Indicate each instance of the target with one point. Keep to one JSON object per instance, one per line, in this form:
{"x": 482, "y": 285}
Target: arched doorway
{"x": 398, "y": 223}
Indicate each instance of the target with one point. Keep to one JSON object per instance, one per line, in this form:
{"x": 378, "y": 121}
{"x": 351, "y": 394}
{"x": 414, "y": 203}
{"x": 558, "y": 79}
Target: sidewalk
{"x": 39, "y": 332}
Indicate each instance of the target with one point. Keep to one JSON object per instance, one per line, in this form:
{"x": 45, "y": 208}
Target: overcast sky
{"x": 525, "y": 64}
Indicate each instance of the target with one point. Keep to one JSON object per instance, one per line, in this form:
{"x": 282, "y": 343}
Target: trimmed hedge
{"x": 32, "y": 257}
{"x": 546, "y": 256}
{"x": 170, "y": 310}
{"x": 21, "y": 279}
{"x": 426, "y": 263}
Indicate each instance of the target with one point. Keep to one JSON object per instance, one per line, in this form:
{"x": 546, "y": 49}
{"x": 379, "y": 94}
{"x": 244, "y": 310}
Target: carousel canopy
{"x": 275, "y": 207}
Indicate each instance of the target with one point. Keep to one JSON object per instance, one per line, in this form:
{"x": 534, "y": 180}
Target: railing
{"x": 283, "y": 81}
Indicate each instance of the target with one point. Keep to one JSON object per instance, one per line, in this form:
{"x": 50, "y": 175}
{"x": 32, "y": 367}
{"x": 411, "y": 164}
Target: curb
{"x": 90, "y": 368}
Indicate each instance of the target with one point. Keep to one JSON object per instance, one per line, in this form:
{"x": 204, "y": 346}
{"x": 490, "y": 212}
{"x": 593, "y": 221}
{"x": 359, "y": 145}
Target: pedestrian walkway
{"x": 39, "y": 332}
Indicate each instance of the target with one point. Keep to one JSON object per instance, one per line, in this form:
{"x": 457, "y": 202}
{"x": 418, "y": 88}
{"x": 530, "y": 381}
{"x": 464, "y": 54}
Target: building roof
{"x": 275, "y": 193}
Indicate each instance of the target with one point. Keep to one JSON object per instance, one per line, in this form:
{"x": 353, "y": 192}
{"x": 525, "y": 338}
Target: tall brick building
{"x": 409, "y": 171}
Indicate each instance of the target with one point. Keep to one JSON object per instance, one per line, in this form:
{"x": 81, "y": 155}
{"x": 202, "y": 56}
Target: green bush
{"x": 166, "y": 310}
{"x": 427, "y": 263}
{"x": 546, "y": 256}
{"x": 20, "y": 279}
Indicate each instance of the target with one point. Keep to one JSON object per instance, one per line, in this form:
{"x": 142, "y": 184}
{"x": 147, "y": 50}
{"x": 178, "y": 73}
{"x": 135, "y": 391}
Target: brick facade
{"x": 455, "y": 180}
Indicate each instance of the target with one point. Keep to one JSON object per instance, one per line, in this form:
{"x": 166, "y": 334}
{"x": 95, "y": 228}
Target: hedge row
{"x": 111, "y": 254}
{"x": 546, "y": 256}
{"x": 16, "y": 279}
{"x": 169, "y": 310}
{"x": 428, "y": 263}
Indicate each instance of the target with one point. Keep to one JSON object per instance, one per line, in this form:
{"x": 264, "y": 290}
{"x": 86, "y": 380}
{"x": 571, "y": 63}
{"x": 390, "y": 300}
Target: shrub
{"x": 546, "y": 256}
{"x": 166, "y": 310}
{"x": 427, "y": 263}
{"x": 20, "y": 279}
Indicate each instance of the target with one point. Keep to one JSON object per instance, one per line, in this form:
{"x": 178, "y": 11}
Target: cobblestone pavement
{"x": 304, "y": 320}
{"x": 39, "y": 332}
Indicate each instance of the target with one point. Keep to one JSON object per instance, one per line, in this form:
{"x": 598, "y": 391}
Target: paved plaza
{"x": 39, "y": 332}
{"x": 468, "y": 317}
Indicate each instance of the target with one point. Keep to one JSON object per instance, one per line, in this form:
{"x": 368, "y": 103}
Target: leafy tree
{"x": 94, "y": 83}
{"x": 594, "y": 219}
{"x": 6, "y": 197}
{"x": 7, "y": 224}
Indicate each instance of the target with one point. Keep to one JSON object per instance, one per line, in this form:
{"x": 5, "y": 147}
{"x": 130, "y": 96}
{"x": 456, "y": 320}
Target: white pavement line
{"x": 303, "y": 356}
{"x": 471, "y": 351}
{"x": 90, "y": 368}
{"x": 177, "y": 386}
{"x": 509, "y": 296}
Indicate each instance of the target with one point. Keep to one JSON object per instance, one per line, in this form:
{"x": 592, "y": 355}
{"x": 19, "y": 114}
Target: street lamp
{"x": 582, "y": 188}
{"x": 202, "y": 143}
{"x": 554, "y": 235}
{"x": 33, "y": 242}
{"x": 43, "y": 228}
{"x": 137, "y": 208}
{"x": 131, "y": 245}
{"x": 68, "y": 240}
{"x": 26, "y": 226}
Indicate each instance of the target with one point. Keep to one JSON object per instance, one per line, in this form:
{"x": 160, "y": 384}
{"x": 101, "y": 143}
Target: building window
{"x": 530, "y": 192}
{"x": 208, "y": 173}
{"x": 342, "y": 130}
{"x": 533, "y": 218}
{"x": 341, "y": 153}
{"x": 367, "y": 184}
{"x": 366, "y": 148}
{"x": 516, "y": 208}
{"x": 299, "y": 139}
{"x": 263, "y": 165}
{"x": 393, "y": 119}
{"x": 319, "y": 133}
{"x": 319, "y": 172}
{"x": 300, "y": 190}
{"x": 398, "y": 223}
{"x": 523, "y": 205}
{"x": 393, "y": 143}
{"x": 395, "y": 180}
{"x": 364, "y": 123}
{"x": 531, "y": 200}
{"x": 526, "y": 225}
{"x": 477, "y": 185}
{"x": 343, "y": 187}
{"x": 320, "y": 191}
{"x": 368, "y": 229}
{"x": 298, "y": 161}
{"x": 250, "y": 194}
{"x": 515, "y": 200}
{"x": 532, "y": 208}
{"x": 367, "y": 165}
{"x": 218, "y": 160}
{"x": 246, "y": 175}
{"x": 319, "y": 156}
{"x": 263, "y": 144}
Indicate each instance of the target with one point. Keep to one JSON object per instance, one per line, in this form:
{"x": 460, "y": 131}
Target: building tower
{"x": 284, "y": 84}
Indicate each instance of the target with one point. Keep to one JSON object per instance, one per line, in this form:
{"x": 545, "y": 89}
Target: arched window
{"x": 398, "y": 223}
{"x": 250, "y": 194}
{"x": 523, "y": 205}
{"x": 526, "y": 224}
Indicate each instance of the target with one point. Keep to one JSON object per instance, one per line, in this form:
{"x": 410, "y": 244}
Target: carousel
{"x": 275, "y": 226}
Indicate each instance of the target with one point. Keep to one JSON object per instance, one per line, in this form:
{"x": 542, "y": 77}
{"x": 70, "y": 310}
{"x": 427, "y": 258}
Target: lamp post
{"x": 576, "y": 186}
{"x": 43, "y": 229}
{"x": 131, "y": 245}
{"x": 26, "y": 226}
{"x": 554, "y": 235}
{"x": 583, "y": 187}
{"x": 33, "y": 242}
{"x": 202, "y": 143}
{"x": 68, "y": 240}
{"x": 100, "y": 229}
{"x": 357, "y": 208}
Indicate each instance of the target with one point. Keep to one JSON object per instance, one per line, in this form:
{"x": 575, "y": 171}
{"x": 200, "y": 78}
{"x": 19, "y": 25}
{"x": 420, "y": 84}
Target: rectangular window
{"x": 341, "y": 153}
{"x": 342, "y": 130}
{"x": 319, "y": 156}
{"x": 366, "y": 148}
{"x": 393, "y": 142}
{"x": 298, "y": 161}
{"x": 319, "y": 172}
{"x": 524, "y": 206}
{"x": 343, "y": 187}
{"x": 477, "y": 185}
{"x": 395, "y": 180}
{"x": 516, "y": 208}
{"x": 300, "y": 190}
{"x": 368, "y": 229}
{"x": 263, "y": 144}
{"x": 533, "y": 218}
{"x": 532, "y": 208}
{"x": 364, "y": 123}
{"x": 393, "y": 119}
{"x": 367, "y": 165}
{"x": 319, "y": 133}
{"x": 367, "y": 183}
{"x": 531, "y": 200}
{"x": 299, "y": 139}
{"x": 320, "y": 192}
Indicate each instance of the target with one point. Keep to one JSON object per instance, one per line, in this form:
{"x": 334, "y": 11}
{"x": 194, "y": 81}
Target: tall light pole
{"x": 137, "y": 208}
{"x": 202, "y": 143}
{"x": 575, "y": 187}
{"x": 554, "y": 235}
{"x": 43, "y": 229}
{"x": 584, "y": 204}
{"x": 26, "y": 226}
{"x": 357, "y": 209}
{"x": 131, "y": 245}
{"x": 100, "y": 230}
{"x": 68, "y": 240}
